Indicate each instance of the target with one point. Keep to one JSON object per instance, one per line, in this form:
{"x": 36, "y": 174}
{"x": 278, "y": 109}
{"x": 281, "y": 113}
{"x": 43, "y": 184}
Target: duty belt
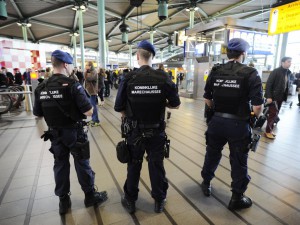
{"x": 231, "y": 116}
{"x": 149, "y": 126}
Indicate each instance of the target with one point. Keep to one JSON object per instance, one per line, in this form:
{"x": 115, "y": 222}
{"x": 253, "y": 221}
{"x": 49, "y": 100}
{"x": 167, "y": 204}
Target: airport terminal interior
{"x": 189, "y": 37}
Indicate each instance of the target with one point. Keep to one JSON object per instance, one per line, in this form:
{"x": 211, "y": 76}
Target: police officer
{"x": 229, "y": 90}
{"x": 141, "y": 100}
{"x": 63, "y": 104}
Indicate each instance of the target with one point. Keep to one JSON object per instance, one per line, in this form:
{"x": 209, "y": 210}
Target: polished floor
{"x": 27, "y": 183}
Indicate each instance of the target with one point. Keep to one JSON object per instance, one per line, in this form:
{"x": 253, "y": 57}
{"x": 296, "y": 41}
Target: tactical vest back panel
{"x": 230, "y": 89}
{"x": 146, "y": 97}
{"x": 59, "y": 108}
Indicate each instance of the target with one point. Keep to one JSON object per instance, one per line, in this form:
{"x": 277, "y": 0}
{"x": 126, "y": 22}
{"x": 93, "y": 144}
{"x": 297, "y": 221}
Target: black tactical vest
{"x": 230, "y": 88}
{"x": 146, "y": 98}
{"x": 59, "y": 108}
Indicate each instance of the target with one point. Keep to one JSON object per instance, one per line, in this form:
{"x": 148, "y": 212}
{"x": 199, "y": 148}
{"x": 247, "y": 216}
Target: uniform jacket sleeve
{"x": 81, "y": 99}
{"x": 121, "y": 99}
{"x": 37, "y": 107}
{"x": 172, "y": 93}
{"x": 255, "y": 89}
{"x": 208, "y": 91}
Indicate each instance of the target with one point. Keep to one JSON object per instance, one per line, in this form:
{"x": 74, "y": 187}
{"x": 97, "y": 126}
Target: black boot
{"x": 159, "y": 205}
{"x": 239, "y": 201}
{"x": 298, "y": 100}
{"x": 64, "y": 204}
{"x": 95, "y": 198}
{"x": 128, "y": 205}
{"x": 206, "y": 188}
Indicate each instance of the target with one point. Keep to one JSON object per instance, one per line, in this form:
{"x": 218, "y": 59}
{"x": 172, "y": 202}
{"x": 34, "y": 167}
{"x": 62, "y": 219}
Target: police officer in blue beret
{"x": 229, "y": 90}
{"x": 63, "y": 104}
{"x": 142, "y": 97}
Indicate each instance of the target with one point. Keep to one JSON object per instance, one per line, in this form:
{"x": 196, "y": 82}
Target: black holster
{"x": 81, "y": 150}
{"x": 167, "y": 147}
{"x": 123, "y": 153}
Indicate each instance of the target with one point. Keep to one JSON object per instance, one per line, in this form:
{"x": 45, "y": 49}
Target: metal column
{"x": 107, "y": 52}
{"x": 101, "y": 33}
{"x": 283, "y": 46}
{"x": 74, "y": 50}
{"x": 81, "y": 39}
{"x": 130, "y": 56}
{"x": 192, "y": 18}
{"x": 24, "y": 31}
{"x": 161, "y": 55}
{"x": 151, "y": 36}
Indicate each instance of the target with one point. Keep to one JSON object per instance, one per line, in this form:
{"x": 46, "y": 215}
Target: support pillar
{"x": 107, "y": 52}
{"x": 74, "y": 50}
{"x": 81, "y": 35}
{"x": 24, "y": 31}
{"x": 192, "y": 18}
{"x": 130, "y": 56}
{"x": 101, "y": 34}
{"x": 151, "y": 36}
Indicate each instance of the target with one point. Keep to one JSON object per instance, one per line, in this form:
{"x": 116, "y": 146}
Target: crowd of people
{"x": 8, "y": 78}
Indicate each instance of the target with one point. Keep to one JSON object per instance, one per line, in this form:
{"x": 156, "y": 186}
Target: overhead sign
{"x": 284, "y": 18}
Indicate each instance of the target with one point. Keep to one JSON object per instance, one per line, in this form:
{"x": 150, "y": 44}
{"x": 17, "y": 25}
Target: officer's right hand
{"x": 269, "y": 100}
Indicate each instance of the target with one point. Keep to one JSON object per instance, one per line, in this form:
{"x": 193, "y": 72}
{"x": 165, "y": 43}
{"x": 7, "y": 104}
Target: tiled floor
{"x": 27, "y": 183}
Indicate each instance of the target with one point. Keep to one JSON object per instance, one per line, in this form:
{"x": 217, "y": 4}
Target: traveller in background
{"x": 101, "y": 76}
{"x": 277, "y": 92}
{"x": 91, "y": 85}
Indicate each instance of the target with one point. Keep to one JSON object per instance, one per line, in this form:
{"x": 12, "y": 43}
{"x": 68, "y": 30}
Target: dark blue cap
{"x": 238, "y": 44}
{"x": 146, "y": 45}
{"x": 63, "y": 56}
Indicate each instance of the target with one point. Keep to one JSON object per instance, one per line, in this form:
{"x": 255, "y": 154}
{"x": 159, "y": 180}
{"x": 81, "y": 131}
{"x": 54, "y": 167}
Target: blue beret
{"x": 63, "y": 56}
{"x": 238, "y": 44}
{"x": 146, "y": 45}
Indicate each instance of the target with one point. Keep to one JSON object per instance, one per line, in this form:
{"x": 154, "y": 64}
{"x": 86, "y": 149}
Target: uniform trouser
{"x": 273, "y": 114}
{"x": 60, "y": 148}
{"x": 155, "y": 153}
{"x": 237, "y": 134}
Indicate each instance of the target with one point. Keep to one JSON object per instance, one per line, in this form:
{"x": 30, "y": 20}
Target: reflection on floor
{"x": 27, "y": 183}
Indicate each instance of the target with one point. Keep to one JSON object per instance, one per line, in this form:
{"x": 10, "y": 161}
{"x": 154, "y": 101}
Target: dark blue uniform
{"x": 64, "y": 140}
{"x": 232, "y": 129}
{"x": 153, "y": 144}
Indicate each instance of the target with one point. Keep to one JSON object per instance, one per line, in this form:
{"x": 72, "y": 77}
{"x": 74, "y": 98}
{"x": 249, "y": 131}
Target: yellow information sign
{"x": 285, "y": 18}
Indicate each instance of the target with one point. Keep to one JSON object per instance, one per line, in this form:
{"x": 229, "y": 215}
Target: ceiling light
{"x": 196, "y": 8}
{"x": 19, "y": 23}
{"x": 82, "y": 7}
{"x": 28, "y": 24}
{"x": 187, "y": 9}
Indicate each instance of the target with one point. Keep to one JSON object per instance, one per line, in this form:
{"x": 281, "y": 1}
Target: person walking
{"x": 101, "y": 77}
{"x": 276, "y": 93}
{"x": 91, "y": 85}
